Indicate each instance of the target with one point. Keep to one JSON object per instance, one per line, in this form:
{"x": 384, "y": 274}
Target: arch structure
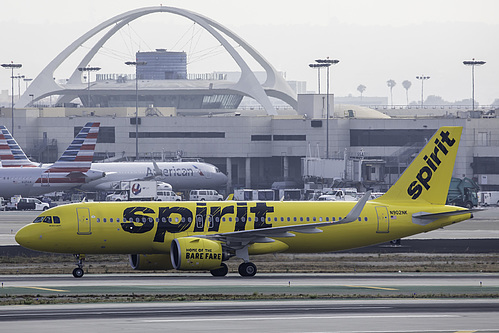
{"x": 274, "y": 86}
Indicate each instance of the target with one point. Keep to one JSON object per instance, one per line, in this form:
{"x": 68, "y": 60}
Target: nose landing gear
{"x": 78, "y": 271}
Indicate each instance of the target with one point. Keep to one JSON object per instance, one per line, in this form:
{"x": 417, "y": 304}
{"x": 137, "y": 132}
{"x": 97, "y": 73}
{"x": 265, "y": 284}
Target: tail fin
{"x": 428, "y": 177}
{"x": 80, "y": 153}
{"x": 11, "y": 154}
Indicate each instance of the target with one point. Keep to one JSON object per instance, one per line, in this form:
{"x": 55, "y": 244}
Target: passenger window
{"x": 289, "y": 219}
{"x": 111, "y": 220}
{"x": 104, "y": 220}
{"x": 98, "y": 219}
{"x": 301, "y": 218}
{"x": 313, "y": 218}
{"x": 308, "y": 219}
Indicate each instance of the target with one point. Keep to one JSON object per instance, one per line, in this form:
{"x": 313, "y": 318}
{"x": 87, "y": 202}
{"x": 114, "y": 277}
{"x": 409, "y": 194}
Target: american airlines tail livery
{"x": 72, "y": 169}
{"x": 205, "y": 235}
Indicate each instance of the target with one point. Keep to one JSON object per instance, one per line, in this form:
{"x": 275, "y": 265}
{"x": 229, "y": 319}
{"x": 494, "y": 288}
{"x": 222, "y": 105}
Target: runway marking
{"x": 371, "y": 287}
{"x": 296, "y": 318}
{"x": 47, "y": 289}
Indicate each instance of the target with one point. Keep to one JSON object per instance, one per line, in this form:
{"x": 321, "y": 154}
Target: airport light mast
{"x": 473, "y": 63}
{"x": 422, "y": 78}
{"x": 12, "y": 66}
{"x": 319, "y": 64}
{"x": 136, "y": 63}
{"x": 88, "y": 69}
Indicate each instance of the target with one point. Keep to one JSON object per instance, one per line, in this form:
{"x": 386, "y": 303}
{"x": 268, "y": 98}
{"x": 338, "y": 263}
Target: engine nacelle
{"x": 156, "y": 262}
{"x": 190, "y": 253}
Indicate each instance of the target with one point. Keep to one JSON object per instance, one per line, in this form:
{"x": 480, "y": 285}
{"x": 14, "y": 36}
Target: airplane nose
{"x": 25, "y": 237}
{"x": 21, "y": 236}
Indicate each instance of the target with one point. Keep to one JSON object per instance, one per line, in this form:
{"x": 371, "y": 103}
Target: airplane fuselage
{"x": 180, "y": 175}
{"x": 33, "y": 181}
{"x": 150, "y": 227}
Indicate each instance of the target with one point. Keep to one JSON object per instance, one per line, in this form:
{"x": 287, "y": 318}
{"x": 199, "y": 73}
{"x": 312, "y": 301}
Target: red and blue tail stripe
{"x": 11, "y": 154}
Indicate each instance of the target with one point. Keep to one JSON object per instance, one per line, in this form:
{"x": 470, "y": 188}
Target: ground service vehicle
{"x": 205, "y": 195}
{"x": 27, "y": 204}
{"x": 204, "y": 235}
{"x": 463, "y": 192}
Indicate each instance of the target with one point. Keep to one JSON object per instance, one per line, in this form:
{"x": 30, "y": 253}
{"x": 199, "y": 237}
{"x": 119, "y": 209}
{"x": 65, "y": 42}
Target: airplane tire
{"x": 222, "y": 271}
{"x": 247, "y": 269}
{"x": 78, "y": 272}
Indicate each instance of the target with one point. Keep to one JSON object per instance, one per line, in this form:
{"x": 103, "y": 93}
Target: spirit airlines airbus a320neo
{"x": 203, "y": 235}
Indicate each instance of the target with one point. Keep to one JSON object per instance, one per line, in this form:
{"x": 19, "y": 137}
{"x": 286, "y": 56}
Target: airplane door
{"x": 83, "y": 215}
{"x": 383, "y": 219}
{"x": 45, "y": 179}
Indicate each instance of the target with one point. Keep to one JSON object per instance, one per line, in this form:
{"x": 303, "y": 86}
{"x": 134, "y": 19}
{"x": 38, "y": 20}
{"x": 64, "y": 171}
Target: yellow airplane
{"x": 203, "y": 235}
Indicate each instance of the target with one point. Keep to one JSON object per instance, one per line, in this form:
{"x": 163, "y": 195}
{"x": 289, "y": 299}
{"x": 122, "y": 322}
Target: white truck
{"x": 144, "y": 190}
{"x": 340, "y": 194}
{"x": 488, "y": 198}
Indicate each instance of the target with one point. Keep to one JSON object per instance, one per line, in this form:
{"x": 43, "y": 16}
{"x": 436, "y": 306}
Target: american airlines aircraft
{"x": 72, "y": 169}
{"x": 180, "y": 175}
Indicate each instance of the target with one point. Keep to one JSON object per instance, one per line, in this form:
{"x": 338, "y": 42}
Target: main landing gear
{"x": 78, "y": 271}
{"x": 245, "y": 269}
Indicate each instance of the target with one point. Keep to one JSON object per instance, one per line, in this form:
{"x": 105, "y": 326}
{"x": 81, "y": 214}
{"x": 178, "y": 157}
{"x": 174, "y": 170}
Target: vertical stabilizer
{"x": 80, "y": 153}
{"x": 428, "y": 176}
{"x": 11, "y": 154}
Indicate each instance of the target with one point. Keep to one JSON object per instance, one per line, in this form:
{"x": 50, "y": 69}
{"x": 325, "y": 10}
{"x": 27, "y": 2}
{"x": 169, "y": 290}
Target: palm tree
{"x": 391, "y": 84}
{"x": 361, "y": 88}
{"x": 407, "y": 84}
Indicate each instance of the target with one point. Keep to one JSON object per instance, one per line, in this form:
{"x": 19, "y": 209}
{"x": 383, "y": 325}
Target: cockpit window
{"x": 47, "y": 219}
{"x": 39, "y": 219}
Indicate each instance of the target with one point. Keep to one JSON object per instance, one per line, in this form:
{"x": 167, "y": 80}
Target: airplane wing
{"x": 265, "y": 235}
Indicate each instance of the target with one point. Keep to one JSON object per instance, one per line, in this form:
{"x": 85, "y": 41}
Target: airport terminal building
{"x": 186, "y": 116}
{"x": 258, "y": 150}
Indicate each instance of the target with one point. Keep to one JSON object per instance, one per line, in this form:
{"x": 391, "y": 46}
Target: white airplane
{"x": 19, "y": 176}
{"x": 180, "y": 175}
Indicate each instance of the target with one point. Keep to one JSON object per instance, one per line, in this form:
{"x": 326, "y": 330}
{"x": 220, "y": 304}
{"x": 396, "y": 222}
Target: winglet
{"x": 354, "y": 214}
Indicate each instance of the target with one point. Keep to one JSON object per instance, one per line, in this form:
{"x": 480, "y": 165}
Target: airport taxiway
{"x": 370, "y": 284}
{"x": 357, "y": 316}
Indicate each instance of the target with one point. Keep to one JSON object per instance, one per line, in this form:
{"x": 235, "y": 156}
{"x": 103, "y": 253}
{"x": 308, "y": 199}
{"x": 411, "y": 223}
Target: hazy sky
{"x": 375, "y": 41}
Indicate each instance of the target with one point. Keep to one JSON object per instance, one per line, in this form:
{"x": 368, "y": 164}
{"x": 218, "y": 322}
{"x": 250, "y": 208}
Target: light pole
{"x": 327, "y": 63}
{"x": 318, "y": 66}
{"x": 136, "y": 63}
{"x": 473, "y": 63}
{"x": 12, "y": 66}
{"x": 422, "y": 78}
{"x": 88, "y": 69}
{"x": 18, "y": 77}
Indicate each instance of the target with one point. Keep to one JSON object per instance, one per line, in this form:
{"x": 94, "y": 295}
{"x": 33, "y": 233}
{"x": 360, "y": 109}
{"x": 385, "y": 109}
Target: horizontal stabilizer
{"x": 424, "y": 218}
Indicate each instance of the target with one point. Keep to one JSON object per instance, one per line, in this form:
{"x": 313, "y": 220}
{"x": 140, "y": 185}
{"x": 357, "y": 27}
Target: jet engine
{"x": 142, "y": 262}
{"x": 190, "y": 253}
